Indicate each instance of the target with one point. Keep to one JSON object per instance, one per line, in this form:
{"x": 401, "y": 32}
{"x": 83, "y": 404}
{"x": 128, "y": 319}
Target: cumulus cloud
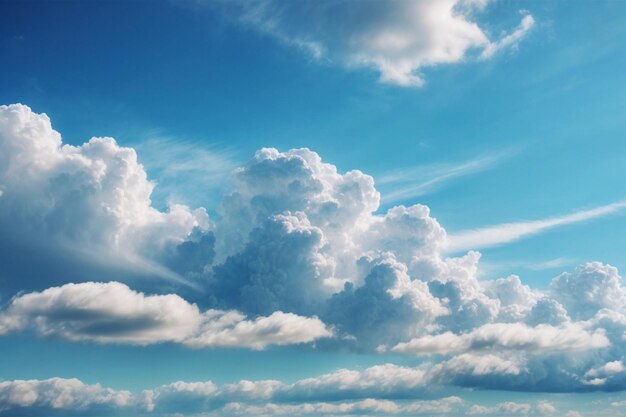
{"x": 398, "y": 39}
{"x": 381, "y": 382}
{"x": 591, "y": 287}
{"x": 475, "y": 367}
{"x": 548, "y": 311}
{"x": 362, "y": 407}
{"x": 230, "y": 329}
{"x": 600, "y": 375}
{"x": 113, "y": 313}
{"x": 294, "y": 231}
{"x": 545, "y": 408}
{"x": 504, "y": 408}
{"x": 298, "y": 252}
{"x": 388, "y": 306}
{"x": 59, "y": 396}
{"x": 279, "y": 268}
{"x": 342, "y": 392}
{"x": 377, "y": 381}
{"x": 92, "y": 200}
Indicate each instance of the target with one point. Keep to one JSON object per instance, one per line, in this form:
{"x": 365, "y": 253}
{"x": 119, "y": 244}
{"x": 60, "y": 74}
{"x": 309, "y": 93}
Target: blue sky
{"x": 496, "y": 127}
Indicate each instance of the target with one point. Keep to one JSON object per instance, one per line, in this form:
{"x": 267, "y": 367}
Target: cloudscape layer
{"x": 320, "y": 208}
{"x": 301, "y": 254}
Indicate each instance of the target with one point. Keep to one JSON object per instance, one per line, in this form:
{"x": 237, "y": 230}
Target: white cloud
{"x": 92, "y": 200}
{"x": 601, "y": 374}
{"x": 545, "y": 408}
{"x": 509, "y": 336}
{"x": 295, "y": 240}
{"x": 389, "y": 306}
{"x": 113, "y": 313}
{"x": 475, "y": 365}
{"x": 374, "y": 381}
{"x": 516, "y": 299}
{"x": 379, "y": 390}
{"x": 58, "y": 394}
{"x": 380, "y": 382}
{"x": 229, "y": 329}
{"x": 509, "y": 232}
{"x": 398, "y": 39}
{"x": 504, "y": 408}
{"x": 548, "y": 311}
{"x": 591, "y": 287}
{"x": 367, "y": 406}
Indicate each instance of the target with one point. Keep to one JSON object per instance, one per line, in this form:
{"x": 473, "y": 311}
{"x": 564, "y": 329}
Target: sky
{"x": 316, "y": 208}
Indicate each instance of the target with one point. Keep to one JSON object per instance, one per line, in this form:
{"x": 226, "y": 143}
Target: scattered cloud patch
{"x": 57, "y": 396}
{"x": 397, "y": 39}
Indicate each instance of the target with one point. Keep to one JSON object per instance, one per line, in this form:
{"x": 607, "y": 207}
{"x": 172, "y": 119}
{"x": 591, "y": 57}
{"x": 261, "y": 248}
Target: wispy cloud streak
{"x": 414, "y": 182}
{"x": 500, "y": 234}
{"x": 181, "y": 167}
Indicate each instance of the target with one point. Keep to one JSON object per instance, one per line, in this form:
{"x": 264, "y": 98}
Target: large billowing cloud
{"x": 396, "y": 38}
{"x": 91, "y": 202}
{"x": 297, "y": 252}
{"x": 113, "y": 313}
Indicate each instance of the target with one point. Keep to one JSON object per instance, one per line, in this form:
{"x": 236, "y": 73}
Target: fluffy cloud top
{"x": 92, "y": 199}
{"x": 591, "y": 287}
{"x": 113, "y": 313}
{"x": 396, "y": 38}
